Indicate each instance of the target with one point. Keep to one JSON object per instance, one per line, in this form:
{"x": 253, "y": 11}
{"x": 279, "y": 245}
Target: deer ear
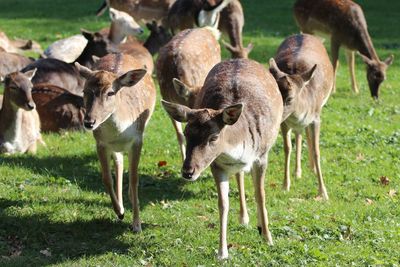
{"x": 113, "y": 14}
{"x": 30, "y": 74}
{"x": 229, "y": 47}
{"x": 308, "y": 74}
{"x": 231, "y": 114}
{"x": 249, "y": 48}
{"x": 178, "y": 112}
{"x": 129, "y": 79}
{"x": 389, "y": 60}
{"x": 274, "y": 69}
{"x": 83, "y": 71}
{"x": 181, "y": 89}
{"x": 87, "y": 34}
{"x": 365, "y": 59}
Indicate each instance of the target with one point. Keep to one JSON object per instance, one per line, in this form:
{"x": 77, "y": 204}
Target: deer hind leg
{"x": 310, "y": 146}
{"x": 104, "y": 157}
{"x": 258, "y": 173}
{"x": 299, "y": 140}
{"x": 335, "y": 60}
{"x": 180, "y": 136}
{"x": 119, "y": 170}
{"x": 244, "y": 215}
{"x": 134, "y": 158}
{"x": 32, "y": 148}
{"x": 315, "y": 131}
{"x": 351, "y": 62}
{"x": 222, "y": 183}
{"x": 287, "y": 145}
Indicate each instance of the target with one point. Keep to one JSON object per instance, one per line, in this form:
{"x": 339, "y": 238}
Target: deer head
{"x": 18, "y": 89}
{"x": 125, "y": 22}
{"x": 239, "y": 52}
{"x": 158, "y": 37}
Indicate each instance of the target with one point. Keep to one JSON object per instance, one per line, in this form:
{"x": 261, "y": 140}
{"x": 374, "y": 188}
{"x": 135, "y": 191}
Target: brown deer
{"x": 344, "y": 21}
{"x": 18, "y": 45}
{"x": 234, "y": 124}
{"x": 186, "y": 14}
{"x": 12, "y": 62}
{"x": 119, "y": 99}
{"x": 58, "y": 109}
{"x": 19, "y": 121}
{"x": 182, "y": 67}
{"x": 305, "y": 78}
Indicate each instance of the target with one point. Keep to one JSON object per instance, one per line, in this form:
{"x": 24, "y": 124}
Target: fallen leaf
{"x": 203, "y": 218}
{"x": 359, "y": 157}
{"x": 15, "y": 246}
{"x": 162, "y": 163}
{"x": 369, "y": 201}
{"x": 318, "y": 198}
{"x": 46, "y": 252}
{"x": 273, "y": 185}
{"x": 233, "y": 245}
{"x": 384, "y": 180}
{"x": 392, "y": 192}
{"x": 211, "y": 225}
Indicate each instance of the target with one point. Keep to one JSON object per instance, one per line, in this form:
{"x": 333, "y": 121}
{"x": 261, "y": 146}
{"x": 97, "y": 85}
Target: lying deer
{"x": 69, "y": 49}
{"x": 344, "y": 21}
{"x": 119, "y": 99}
{"x": 305, "y": 78}
{"x": 12, "y": 62}
{"x": 182, "y": 67}
{"x": 186, "y": 14}
{"x": 19, "y": 121}
{"x": 18, "y": 45}
{"x": 234, "y": 124}
{"x": 58, "y": 109}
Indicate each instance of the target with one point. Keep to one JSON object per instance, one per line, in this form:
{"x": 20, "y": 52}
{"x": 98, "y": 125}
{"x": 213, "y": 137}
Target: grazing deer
{"x": 12, "y": 62}
{"x": 58, "y": 109}
{"x": 118, "y": 105}
{"x": 182, "y": 67}
{"x": 305, "y": 78}
{"x": 19, "y": 121}
{"x": 186, "y": 14}
{"x": 234, "y": 124}
{"x": 344, "y": 21}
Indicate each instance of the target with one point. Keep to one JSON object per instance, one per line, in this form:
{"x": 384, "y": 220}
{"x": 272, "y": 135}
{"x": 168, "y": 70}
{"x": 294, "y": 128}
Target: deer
{"x": 58, "y": 109}
{"x": 19, "y": 121}
{"x": 69, "y": 49}
{"x": 18, "y": 46}
{"x": 186, "y": 14}
{"x": 182, "y": 67}
{"x": 345, "y": 23}
{"x": 233, "y": 125}
{"x": 305, "y": 77}
{"x": 119, "y": 98}
{"x": 12, "y": 62}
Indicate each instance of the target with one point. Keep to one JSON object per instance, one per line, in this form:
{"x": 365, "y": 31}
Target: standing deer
{"x": 305, "y": 78}
{"x": 119, "y": 98}
{"x": 234, "y": 124}
{"x": 344, "y": 21}
{"x": 182, "y": 67}
{"x": 19, "y": 121}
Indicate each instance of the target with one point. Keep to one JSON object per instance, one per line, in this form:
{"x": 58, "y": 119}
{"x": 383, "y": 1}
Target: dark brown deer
{"x": 58, "y": 109}
{"x": 119, "y": 99}
{"x": 182, "y": 67}
{"x": 305, "y": 78}
{"x": 344, "y": 21}
{"x": 12, "y": 62}
{"x": 233, "y": 126}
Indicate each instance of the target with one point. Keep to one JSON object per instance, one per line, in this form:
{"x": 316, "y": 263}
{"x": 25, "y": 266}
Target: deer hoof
{"x": 259, "y": 230}
{"x": 121, "y": 216}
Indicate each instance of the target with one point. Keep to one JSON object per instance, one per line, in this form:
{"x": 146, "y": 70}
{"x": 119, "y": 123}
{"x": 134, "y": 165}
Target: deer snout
{"x": 89, "y": 123}
{"x": 30, "y": 105}
{"x": 188, "y": 172}
{"x": 140, "y": 31}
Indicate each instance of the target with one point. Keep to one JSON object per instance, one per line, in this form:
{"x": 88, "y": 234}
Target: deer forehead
{"x": 100, "y": 82}
{"x": 18, "y": 80}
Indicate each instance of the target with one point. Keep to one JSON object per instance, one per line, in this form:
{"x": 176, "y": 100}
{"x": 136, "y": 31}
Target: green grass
{"x": 55, "y": 201}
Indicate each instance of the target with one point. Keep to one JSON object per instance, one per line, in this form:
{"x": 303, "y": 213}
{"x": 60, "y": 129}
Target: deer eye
{"x": 111, "y": 93}
{"x": 213, "y": 138}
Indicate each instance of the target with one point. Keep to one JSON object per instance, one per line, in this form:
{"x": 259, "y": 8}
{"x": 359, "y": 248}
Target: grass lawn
{"x": 54, "y": 209}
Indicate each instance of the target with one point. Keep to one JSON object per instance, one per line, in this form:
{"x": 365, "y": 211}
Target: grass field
{"x": 54, "y": 209}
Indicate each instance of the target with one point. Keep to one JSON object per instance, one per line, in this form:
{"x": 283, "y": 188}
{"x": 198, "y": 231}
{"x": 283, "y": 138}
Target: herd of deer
{"x": 233, "y": 109}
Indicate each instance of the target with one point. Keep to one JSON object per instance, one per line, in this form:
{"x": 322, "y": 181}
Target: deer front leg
{"x": 299, "y": 140}
{"x": 243, "y": 216}
{"x": 258, "y": 174}
{"x": 287, "y": 146}
{"x": 335, "y": 45}
{"x": 104, "y": 158}
{"x": 351, "y": 62}
{"x": 310, "y": 146}
{"x": 119, "y": 170}
{"x": 180, "y": 136}
{"x": 222, "y": 183}
{"x": 134, "y": 158}
{"x": 315, "y": 131}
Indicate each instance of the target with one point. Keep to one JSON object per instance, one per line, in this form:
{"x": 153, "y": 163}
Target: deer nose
{"x": 141, "y": 31}
{"x": 30, "y": 105}
{"x": 89, "y": 123}
{"x": 188, "y": 173}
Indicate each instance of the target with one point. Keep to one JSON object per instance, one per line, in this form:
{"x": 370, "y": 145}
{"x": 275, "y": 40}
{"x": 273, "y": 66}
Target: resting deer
{"x": 18, "y": 45}
{"x": 305, "y": 78}
{"x": 182, "y": 67}
{"x": 185, "y": 14}
{"x": 19, "y": 121}
{"x": 344, "y": 21}
{"x": 234, "y": 124}
{"x": 12, "y": 62}
{"x": 119, "y": 99}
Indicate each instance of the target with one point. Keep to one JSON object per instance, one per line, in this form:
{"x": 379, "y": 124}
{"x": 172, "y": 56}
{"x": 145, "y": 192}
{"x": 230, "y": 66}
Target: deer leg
{"x": 134, "y": 158}
{"x": 32, "y": 148}
{"x": 243, "y": 216}
{"x": 351, "y": 62}
{"x": 299, "y": 140}
{"x": 315, "y": 131}
{"x": 180, "y": 136}
{"x": 287, "y": 145}
{"x": 310, "y": 146}
{"x": 335, "y": 60}
{"x": 222, "y": 182}
{"x": 104, "y": 158}
{"x": 119, "y": 170}
{"x": 258, "y": 174}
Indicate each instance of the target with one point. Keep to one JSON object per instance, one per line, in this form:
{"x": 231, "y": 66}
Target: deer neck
{"x": 116, "y": 35}
{"x": 10, "y": 120}
{"x": 366, "y": 47}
